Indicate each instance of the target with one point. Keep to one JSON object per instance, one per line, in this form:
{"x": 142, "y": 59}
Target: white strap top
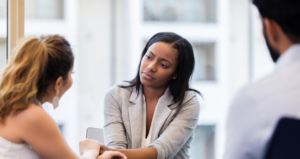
{"x": 9, "y": 150}
{"x": 146, "y": 141}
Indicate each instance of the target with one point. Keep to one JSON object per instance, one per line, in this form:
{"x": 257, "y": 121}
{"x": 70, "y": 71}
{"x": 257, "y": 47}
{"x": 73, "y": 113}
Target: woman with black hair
{"x": 155, "y": 114}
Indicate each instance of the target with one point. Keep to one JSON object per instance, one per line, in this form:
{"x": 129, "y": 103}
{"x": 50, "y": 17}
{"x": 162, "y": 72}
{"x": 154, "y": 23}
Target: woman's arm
{"x": 179, "y": 130}
{"x": 39, "y": 130}
{"x": 114, "y": 130}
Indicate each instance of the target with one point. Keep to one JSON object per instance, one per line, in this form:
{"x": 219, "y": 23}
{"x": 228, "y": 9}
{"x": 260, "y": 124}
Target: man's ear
{"x": 276, "y": 36}
{"x": 271, "y": 31}
{"x": 58, "y": 83}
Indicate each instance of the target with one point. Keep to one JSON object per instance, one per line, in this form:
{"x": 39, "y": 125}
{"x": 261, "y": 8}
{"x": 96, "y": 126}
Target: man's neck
{"x": 284, "y": 48}
{"x": 284, "y": 44}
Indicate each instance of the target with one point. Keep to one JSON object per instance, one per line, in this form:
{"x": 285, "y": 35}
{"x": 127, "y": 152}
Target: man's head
{"x": 281, "y": 24}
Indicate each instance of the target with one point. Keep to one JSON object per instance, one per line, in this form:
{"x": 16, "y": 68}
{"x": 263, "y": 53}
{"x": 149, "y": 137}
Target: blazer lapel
{"x": 162, "y": 112}
{"x": 135, "y": 112}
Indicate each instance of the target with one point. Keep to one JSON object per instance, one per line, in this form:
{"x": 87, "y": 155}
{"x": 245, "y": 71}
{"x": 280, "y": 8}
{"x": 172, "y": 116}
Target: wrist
{"x": 110, "y": 149}
{"x": 91, "y": 154}
{"x": 105, "y": 148}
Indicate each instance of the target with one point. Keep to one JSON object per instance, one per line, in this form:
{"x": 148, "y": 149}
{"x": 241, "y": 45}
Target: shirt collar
{"x": 291, "y": 55}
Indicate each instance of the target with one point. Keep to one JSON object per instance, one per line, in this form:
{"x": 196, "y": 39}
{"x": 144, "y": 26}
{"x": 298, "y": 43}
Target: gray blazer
{"x": 172, "y": 129}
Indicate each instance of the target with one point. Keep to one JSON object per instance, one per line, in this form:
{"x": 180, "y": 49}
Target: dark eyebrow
{"x": 161, "y": 59}
{"x": 152, "y": 53}
{"x": 166, "y": 61}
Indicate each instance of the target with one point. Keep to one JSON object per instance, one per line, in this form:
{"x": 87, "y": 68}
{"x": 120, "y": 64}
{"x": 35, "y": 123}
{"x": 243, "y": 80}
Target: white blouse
{"x": 146, "y": 141}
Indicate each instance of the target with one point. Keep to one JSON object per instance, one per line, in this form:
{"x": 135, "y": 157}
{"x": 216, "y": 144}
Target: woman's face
{"x": 159, "y": 65}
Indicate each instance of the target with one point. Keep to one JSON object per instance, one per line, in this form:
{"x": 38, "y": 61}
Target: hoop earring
{"x": 55, "y": 100}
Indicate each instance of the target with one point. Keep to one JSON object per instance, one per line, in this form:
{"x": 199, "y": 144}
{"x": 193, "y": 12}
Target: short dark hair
{"x": 185, "y": 68}
{"x": 285, "y": 12}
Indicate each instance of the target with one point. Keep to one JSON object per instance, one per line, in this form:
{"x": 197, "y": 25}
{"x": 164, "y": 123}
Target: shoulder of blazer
{"x": 190, "y": 96}
{"x": 118, "y": 92}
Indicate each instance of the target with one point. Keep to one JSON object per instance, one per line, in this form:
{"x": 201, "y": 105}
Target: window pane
{"x": 203, "y": 144}
{"x": 2, "y": 53}
{"x": 2, "y": 8}
{"x": 44, "y": 9}
{"x": 180, "y": 10}
{"x": 204, "y": 61}
{"x": 3, "y": 24}
{"x": 61, "y": 128}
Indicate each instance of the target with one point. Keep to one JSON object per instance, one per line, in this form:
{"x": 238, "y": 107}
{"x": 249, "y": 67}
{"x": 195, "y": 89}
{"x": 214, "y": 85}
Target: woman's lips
{"x": 145, "y": 75}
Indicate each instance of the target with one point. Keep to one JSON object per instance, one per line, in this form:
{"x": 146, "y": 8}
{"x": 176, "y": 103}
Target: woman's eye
{"x": 148, "y": 57}
{"x": 163, "y": 65}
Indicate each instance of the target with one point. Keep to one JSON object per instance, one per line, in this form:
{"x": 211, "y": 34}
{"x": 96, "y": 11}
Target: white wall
{"x": 93, "y": 62}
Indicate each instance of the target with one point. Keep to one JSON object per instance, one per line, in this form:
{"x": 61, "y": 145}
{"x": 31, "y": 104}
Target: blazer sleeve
{"x": 179, "y": 130}
{"x": 114, "y": 131}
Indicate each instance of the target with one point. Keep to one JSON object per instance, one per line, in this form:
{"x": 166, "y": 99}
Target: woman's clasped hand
{"x": 91, "y": 147}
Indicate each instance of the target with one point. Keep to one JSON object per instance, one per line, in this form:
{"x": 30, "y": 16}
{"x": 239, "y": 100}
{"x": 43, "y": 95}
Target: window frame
{"x": 183, "y": 21}
{"x": 15, "y": 24}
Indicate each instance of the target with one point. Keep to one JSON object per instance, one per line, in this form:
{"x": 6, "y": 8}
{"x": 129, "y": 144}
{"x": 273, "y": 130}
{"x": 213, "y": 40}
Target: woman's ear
{"x": 174, "y": 76}
{"x": 58, "y": 83}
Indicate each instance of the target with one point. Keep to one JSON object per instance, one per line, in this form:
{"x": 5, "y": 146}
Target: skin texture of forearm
{"x": 145, "y": 153}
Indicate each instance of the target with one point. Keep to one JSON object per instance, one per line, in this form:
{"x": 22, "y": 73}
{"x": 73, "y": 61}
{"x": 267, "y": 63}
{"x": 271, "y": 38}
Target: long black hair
{"x": 186, "y": 64}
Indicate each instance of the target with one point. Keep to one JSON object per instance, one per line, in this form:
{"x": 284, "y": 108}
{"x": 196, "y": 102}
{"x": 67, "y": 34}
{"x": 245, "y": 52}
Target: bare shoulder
{"x": 29, "y": 121}
{"x": 35, "y": 127}
{"x": 32, "y": 115}
{"x": 32, "y": 119}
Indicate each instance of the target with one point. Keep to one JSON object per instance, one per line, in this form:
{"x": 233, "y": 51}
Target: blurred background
{"x": 108, "y": 36}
